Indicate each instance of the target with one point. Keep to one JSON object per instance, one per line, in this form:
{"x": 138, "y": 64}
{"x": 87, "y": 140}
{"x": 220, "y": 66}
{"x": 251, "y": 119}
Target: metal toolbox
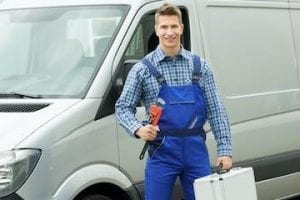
{"x": 237, "y": 184}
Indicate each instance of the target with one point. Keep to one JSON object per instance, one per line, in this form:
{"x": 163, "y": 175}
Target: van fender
{"x": 89, "y": 175}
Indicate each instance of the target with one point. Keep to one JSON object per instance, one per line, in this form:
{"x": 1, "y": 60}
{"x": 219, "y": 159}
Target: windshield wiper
{"x": 19, "y": 95}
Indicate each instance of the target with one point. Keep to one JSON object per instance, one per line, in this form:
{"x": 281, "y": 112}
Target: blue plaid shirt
{"x": 142, "y": 86}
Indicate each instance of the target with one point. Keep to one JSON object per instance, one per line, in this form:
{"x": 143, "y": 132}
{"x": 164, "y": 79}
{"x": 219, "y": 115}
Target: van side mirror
{"x": 128, "y": 64}
{"x": 122, "y": 74}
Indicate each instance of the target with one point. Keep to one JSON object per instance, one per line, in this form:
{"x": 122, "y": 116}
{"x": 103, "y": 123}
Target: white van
{"x": 62, "y": 67}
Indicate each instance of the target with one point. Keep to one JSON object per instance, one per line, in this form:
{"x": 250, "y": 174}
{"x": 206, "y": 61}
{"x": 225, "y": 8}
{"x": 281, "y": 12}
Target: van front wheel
{"x": 96, "y": 197}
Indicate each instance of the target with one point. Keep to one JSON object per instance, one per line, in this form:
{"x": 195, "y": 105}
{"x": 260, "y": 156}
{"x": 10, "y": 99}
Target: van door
{"x": 139, "y": 41}
{"x": 250, "y": 47}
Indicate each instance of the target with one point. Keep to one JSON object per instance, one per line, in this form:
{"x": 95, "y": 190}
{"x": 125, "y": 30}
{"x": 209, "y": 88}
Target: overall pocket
{"x": 179, "y": 107}
{"x": 155, "y": 145}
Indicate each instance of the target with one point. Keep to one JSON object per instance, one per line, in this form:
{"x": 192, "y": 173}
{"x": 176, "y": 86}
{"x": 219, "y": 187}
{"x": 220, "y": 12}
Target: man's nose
{"x": 169, "y": 32}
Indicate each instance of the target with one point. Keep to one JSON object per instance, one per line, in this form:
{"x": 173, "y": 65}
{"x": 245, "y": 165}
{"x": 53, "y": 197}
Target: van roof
{"x": 12, "y": 4}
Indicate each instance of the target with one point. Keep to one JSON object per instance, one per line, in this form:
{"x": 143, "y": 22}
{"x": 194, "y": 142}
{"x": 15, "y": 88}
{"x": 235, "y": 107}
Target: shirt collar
{"x": 160, "y": 55}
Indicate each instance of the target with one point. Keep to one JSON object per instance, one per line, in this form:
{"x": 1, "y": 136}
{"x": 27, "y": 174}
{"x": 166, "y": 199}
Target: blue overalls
{"x": 179, "y": 149}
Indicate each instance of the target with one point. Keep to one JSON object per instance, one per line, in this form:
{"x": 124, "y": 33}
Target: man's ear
{"x": 182, "y": 28}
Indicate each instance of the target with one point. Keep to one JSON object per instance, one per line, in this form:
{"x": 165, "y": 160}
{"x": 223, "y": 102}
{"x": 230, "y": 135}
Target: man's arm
{"x": 218, "y": 119}
{"x": 125, "y": 108}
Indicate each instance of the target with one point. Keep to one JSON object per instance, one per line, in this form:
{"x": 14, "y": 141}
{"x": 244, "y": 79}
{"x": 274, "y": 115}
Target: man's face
{"x": 169, "y": 29}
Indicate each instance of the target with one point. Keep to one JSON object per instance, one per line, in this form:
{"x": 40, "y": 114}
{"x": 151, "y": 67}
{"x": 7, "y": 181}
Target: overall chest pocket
{"x": 179, "y": 108}
{"x": 181, "y": 95}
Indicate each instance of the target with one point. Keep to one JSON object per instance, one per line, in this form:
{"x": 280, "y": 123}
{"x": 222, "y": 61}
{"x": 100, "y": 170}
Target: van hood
{"x": 19, "y": 119}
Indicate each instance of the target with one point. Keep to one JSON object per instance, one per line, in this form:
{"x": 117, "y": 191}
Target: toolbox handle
{"x": 220, "y": 169}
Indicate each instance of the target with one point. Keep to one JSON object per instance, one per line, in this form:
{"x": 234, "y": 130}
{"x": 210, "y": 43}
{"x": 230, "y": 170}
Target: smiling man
{"x": 185, "y": 84}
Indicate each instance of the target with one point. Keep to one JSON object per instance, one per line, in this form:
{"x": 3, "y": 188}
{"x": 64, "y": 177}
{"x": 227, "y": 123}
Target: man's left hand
{"x": 226, "y": 162}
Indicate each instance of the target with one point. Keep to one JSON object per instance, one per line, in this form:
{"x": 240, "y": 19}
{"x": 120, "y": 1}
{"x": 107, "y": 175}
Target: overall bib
{"x": 179, "y": 149}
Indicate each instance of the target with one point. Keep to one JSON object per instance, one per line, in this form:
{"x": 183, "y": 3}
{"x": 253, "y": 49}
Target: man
{"x": 185, "y": 87}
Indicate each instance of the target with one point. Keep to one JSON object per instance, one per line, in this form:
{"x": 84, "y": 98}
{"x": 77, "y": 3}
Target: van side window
{"x": 142, "y": 42}
{"x": 142, "y": 39}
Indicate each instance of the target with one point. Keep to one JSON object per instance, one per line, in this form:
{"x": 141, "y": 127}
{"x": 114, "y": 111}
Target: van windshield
{"x": 54, "y": 52}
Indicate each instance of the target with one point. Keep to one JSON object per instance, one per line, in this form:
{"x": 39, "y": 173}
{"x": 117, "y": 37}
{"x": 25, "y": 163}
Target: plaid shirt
{"x": 142, "y": 86}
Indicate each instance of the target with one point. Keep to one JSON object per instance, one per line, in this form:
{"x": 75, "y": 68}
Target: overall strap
{"x": 196, "y": 71}
{"x": 159, "y": 77}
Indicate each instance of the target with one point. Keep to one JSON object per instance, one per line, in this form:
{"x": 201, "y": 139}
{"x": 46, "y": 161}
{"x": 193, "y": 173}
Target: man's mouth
{"x": 166, "y": 36}
{"x": 170, "y": 38}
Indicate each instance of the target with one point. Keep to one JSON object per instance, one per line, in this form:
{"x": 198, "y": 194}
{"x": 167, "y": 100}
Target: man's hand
{"x": 148, "y": 132}
{"x": 226, "y": 162}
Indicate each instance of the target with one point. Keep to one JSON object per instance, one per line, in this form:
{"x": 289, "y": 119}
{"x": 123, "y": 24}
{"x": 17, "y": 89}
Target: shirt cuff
{"x": 224, "y": 150}
{"x": 134, "y": 128}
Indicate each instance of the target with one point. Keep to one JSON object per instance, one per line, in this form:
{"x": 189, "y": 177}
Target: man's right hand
{"x": 148, "y": 132}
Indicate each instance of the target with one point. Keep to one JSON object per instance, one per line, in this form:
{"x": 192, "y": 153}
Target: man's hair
{"x": 168, "y": 9}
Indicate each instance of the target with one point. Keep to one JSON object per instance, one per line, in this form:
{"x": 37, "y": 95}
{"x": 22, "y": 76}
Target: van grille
{"x": 21, "y": 107}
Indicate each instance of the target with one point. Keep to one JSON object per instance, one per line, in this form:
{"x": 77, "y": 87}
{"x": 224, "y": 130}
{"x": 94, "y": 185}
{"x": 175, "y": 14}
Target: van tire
{"x": 96, "y": 197}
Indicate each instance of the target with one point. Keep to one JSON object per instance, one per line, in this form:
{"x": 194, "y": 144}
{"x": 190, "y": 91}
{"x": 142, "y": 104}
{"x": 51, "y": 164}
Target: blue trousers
{"x": 183, "y": 157}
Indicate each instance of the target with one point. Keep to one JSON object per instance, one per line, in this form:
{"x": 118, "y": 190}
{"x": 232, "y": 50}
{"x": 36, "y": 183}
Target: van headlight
{"x": 15, "y": 167}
